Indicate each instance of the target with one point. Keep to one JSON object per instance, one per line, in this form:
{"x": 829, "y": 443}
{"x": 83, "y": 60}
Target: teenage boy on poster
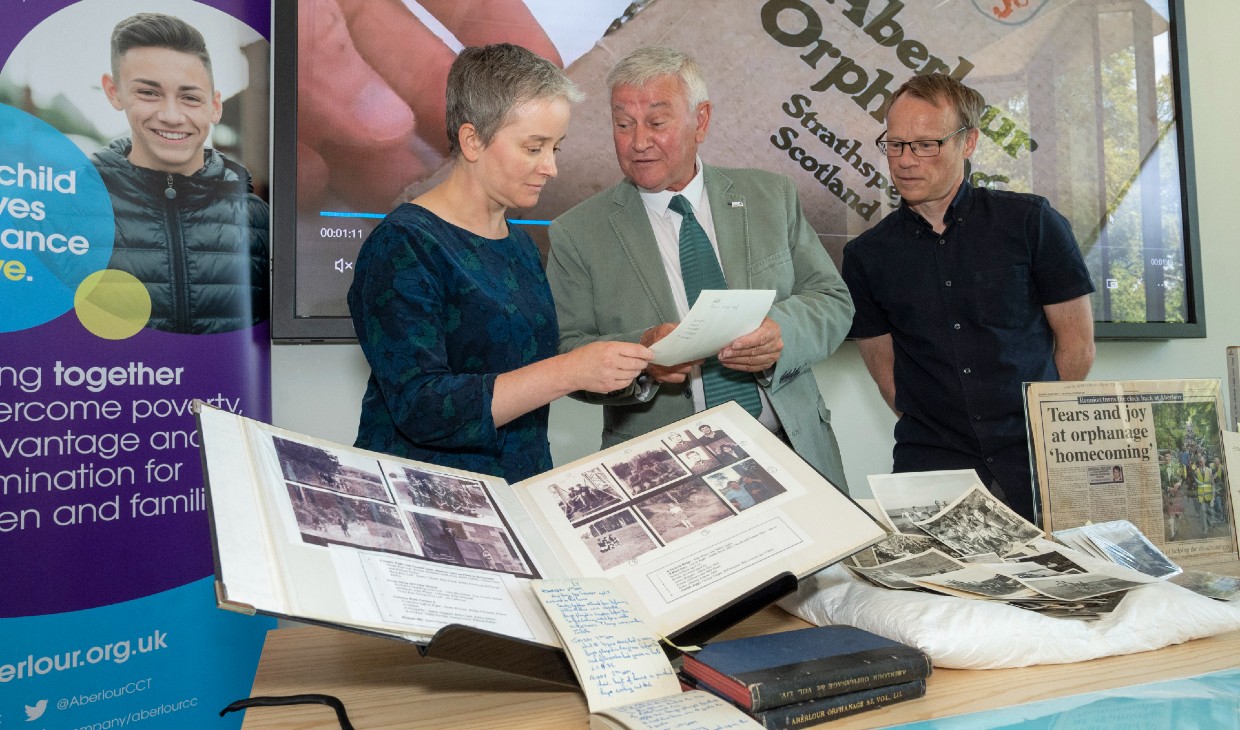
{"x": 188, "y": 225}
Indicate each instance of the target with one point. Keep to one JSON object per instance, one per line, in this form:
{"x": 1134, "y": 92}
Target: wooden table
{"x": 385, "y": 684}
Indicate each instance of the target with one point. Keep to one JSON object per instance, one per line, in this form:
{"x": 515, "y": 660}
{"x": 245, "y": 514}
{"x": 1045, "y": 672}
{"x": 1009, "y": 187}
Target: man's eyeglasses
{"x": 919, "y": 147}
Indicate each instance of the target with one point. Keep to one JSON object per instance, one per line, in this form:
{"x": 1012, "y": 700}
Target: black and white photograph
{"x": 980, "y": 581}
{"x": 646, "y": 470}
{"x": 340, "y": 472}
{"x": 585, "y": 494}
{"x": 616, "y": 539}
{"x": 699, "y": 460}
{"x": 911, "y": 497}
{"x": 325, "y": 517}
{"x": 1050, "y": 559}
{"x": 682, "y": 510}
{"x": 1210, "y": 585}
{"x": 979, "y": 523}
{"x": 1076, "y": 587}
{"x": 1123, "y": 544}
{"x": 427, "y": 490}
{"x": 897, "y": 573}
{"x": 900, "y": 545}
{"x": 467, "y": 544}
{"x": 897, "y": 545}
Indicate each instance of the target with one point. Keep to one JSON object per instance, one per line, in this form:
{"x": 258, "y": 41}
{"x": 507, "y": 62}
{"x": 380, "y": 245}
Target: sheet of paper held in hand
{"x": 717, "y": 318}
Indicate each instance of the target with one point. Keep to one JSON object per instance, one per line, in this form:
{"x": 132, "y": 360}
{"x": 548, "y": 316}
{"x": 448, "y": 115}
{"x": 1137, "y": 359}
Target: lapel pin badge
{"x": 737, "y": 204}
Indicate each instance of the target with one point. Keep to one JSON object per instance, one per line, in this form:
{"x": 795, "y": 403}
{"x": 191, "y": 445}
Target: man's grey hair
{"x": 651, "y": 62}
{"x": 486, "y": 83}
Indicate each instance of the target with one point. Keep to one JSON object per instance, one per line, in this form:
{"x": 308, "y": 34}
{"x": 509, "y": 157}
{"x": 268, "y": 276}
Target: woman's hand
{"x": 603, "y": 367}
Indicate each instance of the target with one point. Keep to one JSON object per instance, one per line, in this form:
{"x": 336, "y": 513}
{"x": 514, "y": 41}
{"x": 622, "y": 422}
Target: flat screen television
{"x": 1087, "y": 105}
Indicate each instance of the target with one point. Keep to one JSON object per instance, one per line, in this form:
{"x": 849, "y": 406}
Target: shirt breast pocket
{"x": 1002, "y": 296}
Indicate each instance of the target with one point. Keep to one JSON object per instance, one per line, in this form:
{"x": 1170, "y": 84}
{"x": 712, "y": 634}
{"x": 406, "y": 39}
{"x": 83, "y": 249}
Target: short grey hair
{"x": 651, "y": 62}
{"x": 486, "y": 83}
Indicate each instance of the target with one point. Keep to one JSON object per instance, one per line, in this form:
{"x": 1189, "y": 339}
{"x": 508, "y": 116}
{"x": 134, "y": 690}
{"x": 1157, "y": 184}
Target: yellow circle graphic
{"x": 112, "y": 304}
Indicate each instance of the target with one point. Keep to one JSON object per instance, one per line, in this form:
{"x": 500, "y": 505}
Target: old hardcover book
{"x": 320, "y": 532}
{"x": 774, "y": 670}
{"x": 813, "y": 712}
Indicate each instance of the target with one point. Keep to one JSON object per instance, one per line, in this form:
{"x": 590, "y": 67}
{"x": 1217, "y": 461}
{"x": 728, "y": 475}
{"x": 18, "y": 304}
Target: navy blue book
{"x": 804, "y": 714}
{"x": 774, "y": 670}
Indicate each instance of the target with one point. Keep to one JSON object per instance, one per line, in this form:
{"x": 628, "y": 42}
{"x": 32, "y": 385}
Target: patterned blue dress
{"x": 440, "y": 312}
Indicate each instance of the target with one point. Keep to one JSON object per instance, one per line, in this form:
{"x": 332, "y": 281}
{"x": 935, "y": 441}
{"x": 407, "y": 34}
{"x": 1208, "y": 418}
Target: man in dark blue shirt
{"x": 962, "y": 294}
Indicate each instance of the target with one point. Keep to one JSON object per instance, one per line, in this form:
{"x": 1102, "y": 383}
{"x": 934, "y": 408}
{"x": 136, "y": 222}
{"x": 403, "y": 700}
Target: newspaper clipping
{"x": 1147, "y": 451}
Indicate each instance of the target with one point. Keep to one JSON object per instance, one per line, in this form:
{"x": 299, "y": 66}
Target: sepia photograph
{"x": 979, "y": 523}
{"x": 467, "y": 544}
{"x": 682, "y": 510}
{"x": 325, "y": 517}
{"x": 679, "y": 441}
{"x": 726, "y": 451}
{"x": 340, "y": 472}
{"x": 699, "y": 460}
{"x": 705, "y": 433}
{"x": 647, "y": 470}
{"x": 616, "y": 539}
{"x": 428, "y": 490}
{"x": 590, "y": 492}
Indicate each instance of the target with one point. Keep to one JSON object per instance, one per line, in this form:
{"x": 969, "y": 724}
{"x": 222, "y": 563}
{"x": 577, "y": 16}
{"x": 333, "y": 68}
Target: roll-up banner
{"x": 133, "y": 279}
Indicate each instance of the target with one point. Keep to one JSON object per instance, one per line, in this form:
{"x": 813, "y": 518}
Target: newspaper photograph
{"x": 1147, "y": 451}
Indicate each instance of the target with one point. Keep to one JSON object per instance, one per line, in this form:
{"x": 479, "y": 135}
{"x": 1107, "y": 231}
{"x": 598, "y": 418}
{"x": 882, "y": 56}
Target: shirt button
{"x": 990, "y": 459}
{"x": 967, "y": 371}
{"x": 977, "y": 418}
{"x": 956, "y": 326}
{"x": 688, "y": 394}
{"x": 942, "y": 241}
{"x": 947, "y": 283}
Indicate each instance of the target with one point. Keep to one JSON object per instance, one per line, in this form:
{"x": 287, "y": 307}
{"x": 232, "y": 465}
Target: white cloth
{"x": 969, "y": 634}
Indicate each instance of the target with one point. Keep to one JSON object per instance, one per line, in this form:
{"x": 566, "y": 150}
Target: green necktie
{"x": 699, "y": 268}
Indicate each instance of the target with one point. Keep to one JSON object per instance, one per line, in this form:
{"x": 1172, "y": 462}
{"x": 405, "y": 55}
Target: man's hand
{"x": 665, "y": 373}
{"x": 756, "y": 351}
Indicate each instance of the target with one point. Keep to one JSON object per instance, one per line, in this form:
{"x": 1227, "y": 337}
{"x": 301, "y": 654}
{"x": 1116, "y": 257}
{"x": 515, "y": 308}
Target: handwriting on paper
{"x": 614, "y": 655}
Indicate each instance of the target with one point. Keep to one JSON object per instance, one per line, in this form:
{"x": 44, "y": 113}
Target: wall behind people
{"x": 322, "y": 394}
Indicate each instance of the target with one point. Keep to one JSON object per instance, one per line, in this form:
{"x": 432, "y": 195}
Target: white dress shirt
{"x": 666, "y": 225}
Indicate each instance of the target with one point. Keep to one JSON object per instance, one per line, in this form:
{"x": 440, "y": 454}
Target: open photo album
{"x": 682, "y": 521}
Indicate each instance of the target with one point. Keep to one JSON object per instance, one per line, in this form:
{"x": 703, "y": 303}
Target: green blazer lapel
{"x": 632, "y": 227}
{"x": 727, "y": 209}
